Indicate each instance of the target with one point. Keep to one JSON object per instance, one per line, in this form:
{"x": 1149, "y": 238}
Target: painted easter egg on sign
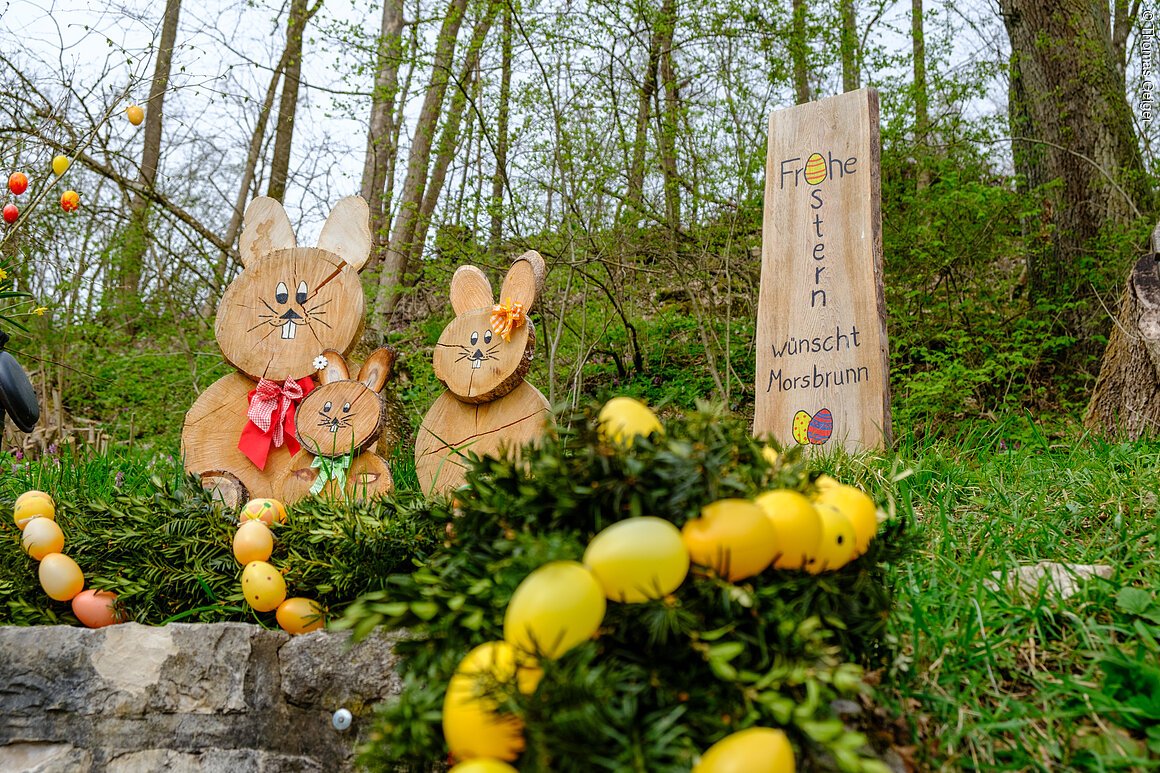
{"x": 815, "y": 169}
{"x": 820, "y": 428}
{"x": 801, "y": 423}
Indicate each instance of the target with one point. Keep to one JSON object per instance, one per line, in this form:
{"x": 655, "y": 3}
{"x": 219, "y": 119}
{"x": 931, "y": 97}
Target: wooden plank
{"x": 822, "y": 358}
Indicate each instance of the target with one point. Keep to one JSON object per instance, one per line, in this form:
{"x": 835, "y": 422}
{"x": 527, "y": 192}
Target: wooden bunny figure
{"x": 287, "y": 305}
{"x": 482, "y": 357}
{"x": 338, "y": 424}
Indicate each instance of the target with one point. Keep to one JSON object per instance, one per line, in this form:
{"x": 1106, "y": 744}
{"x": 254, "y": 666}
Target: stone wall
{"x": 223, "y": 697}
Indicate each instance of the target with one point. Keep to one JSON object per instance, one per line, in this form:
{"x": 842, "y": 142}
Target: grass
{"x": 985, "y": 677}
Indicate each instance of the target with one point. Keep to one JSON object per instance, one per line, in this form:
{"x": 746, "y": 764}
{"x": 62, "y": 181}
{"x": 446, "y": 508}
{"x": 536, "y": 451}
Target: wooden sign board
{"x": 822, "y": 359}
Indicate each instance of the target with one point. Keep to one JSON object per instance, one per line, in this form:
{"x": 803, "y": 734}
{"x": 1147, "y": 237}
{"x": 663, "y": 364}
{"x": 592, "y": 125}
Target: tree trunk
{"x": 798, "y": 50}
{"x": 921, "y": 105}
{"x": 449, "y": 136}
{"x": 667, "y": 141}
{"x": 1078, "y": 115}
{"x": 851, "y": 70}
{"x": 1123, "y": 20}
{"x": 136, "y": 243}
{"x": 382, "y": 134}
{"x": 288, "y": 105}
{"x": 395, "y": 260}
{"x": 499, "y": 180}
{"x": 635, "y": 193}
{"x": 1126, "y": 401}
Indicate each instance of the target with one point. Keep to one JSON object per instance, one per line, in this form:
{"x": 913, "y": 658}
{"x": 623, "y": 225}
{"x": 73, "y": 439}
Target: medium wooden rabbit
{"x": 287, "y": 305}
{"x": 482, "y": 357}
{"x": 337, "y": 423}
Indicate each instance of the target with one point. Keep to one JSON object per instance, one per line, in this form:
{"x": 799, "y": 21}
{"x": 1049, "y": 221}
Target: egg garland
{"x": 263, "y": 586}
{"x": 642, "y": 559}
{"x": 60, "y": 577}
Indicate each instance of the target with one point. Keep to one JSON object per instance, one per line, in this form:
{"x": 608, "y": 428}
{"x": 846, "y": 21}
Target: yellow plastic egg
{"x": 299, "y": 615}
{"x": 733, "y": 537}
{"x": 756, "y": 750}
{"x": 555, "y": 608}
{"x": 32, "y": 504}
{"x": 265, "y": 510}
{"x": 483, "y": 765}
{"x": 836, "y": 548}
{"x": 623, "y": 418}
{"x": 253, "y": 542}
{"x": 96, "y": 608}
{"x": 638, "y": 559}
{"x": 135, "y": 114}
{"x": 471, "y": 723}
{"x": 856, "y": 506}
{"x": 770, "y": 455}
{"x": 41, "y": 537}
{"x": 263, "y": 586}
{"x": 60, "y": 577}
{"x": 60, "y": 165}
{"x": 797, "y": 523}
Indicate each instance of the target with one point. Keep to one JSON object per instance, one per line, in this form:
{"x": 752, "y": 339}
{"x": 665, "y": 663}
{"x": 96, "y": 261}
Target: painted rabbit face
{"x": 289, "y": 303}
{"x": 484, "y": 353}
{"x": 344, "y": 415}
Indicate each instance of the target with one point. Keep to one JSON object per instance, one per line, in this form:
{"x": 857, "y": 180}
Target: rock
{"x": 1062, "y": 579}
{"x": 184, "y": 697}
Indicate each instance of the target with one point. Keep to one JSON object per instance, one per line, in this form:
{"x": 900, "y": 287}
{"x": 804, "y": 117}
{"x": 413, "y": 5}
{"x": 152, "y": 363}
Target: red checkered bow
{"x": 271, "y": 418}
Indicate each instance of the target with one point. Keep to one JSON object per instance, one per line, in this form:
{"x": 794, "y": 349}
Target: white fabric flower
{"x": 321, "y": 363}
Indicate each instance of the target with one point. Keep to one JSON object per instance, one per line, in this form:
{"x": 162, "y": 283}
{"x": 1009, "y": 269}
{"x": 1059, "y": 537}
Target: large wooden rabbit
{"x": 482, "y": 357}
{"x": 287, "y": 305}
{"x": 338, "y": 424}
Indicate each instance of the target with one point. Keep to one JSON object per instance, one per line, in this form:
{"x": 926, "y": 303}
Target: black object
{"x": 17, "y": 397}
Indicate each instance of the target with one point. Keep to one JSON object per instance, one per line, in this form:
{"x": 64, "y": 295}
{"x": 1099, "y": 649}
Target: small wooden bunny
{"x": 482, "y": 357}
{"x": 337, "y": 423}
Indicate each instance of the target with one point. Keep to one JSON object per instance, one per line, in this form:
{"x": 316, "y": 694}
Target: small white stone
{"x": 341, "y": 720}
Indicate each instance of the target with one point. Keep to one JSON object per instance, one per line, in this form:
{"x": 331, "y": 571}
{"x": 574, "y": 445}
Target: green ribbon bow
{"x": 330, "y": 468}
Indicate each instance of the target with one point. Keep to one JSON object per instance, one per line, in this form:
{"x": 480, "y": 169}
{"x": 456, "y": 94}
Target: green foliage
{"x": 993, "y": 677}
{"x": 167, "y": 551}
{"x": 664, "y": 679}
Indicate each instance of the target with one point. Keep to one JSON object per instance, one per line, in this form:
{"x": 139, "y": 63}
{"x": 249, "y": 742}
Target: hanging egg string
{"x": 263, "y": 585}
{"x": 60, "y": 576}
{"x": 70, "y": 200}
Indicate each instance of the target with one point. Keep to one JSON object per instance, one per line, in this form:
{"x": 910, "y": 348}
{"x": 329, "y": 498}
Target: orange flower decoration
{"x": 506, "y": 317}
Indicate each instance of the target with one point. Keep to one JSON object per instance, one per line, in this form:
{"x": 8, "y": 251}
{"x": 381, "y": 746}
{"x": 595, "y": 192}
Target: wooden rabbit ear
{"x": 524, "y": 280}
{"x": 470, "y": 290}
{"x": 377, "y": 368}
{"x": 267, "y": 228}
{"x": 335, "y": 368}
{"x": 347, "y": 232}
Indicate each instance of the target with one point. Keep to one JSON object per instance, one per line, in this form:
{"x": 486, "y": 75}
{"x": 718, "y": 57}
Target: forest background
{"x": 624, "y": 141}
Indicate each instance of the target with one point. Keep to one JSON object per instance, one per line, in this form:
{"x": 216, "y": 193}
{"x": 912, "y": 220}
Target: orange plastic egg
{"x": 60, "y": 577}
{"x": 265, "y": 510}
{"x": 299, "y": 615}
{"x": 136, "y": 114}
{"x": 96, "y": 608}
{"x": 263, "y": 586}
{"x": 69, "y": 201}
{"x": 253, "y": 542}
{"x": 41, "y": 537}
{"x": 33, "y": 504}
{"x": 733, "y": 536}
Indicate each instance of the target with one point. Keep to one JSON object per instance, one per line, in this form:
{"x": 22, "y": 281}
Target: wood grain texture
{"x": 524, "y": 281}
{"x": 470, "y": 290}
{"x": 369, "y": 477}
{"x": 282, "y": 312}
{"x": 226, "y": 489}
{"x": 209, "y": 437}
{"x": 821, "y": 323}
{"x": 347, "y": 231}
{"x": 339, "y": 418}
{"x": 478, "y": 365}
{"x": 451, "y": 429}
{"x": 267, "y": 229}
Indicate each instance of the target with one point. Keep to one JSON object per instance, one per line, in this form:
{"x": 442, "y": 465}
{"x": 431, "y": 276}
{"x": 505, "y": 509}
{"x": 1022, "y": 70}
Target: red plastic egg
{"x": 18, "y": 183}
{"x": 11, "y": 213}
